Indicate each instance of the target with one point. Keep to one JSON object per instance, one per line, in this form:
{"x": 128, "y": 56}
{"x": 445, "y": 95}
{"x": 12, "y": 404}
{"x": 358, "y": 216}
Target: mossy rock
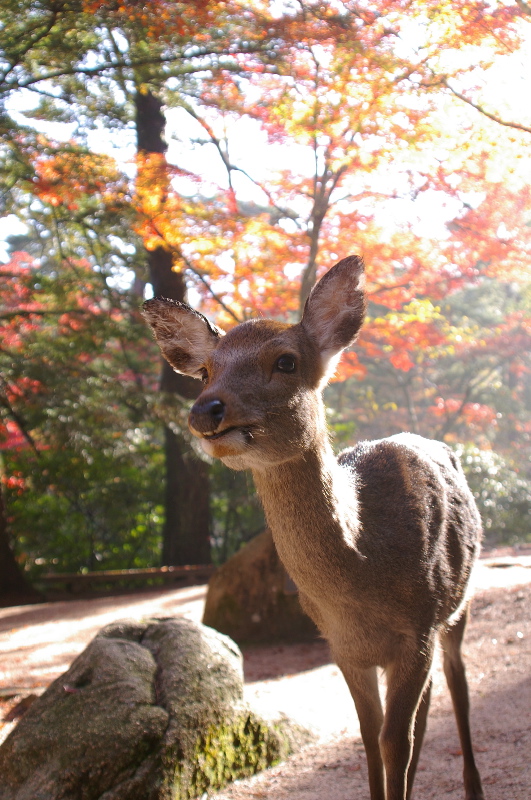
{"x": 150, "y": 710}
{"x": 252, "y": 599}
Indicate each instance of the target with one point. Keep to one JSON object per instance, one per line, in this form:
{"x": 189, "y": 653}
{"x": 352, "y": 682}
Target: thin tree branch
{"x": 482, "y": 110}
{"x": 42, "y": 313}
{"x": 203, "y": 280}
{"x": 126, "y": 63}
{"x": 230, "y": 167}
{"x": 41, "y": 32}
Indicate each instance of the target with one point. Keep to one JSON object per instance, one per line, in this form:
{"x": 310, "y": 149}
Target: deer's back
{"x": 420, "y": 527}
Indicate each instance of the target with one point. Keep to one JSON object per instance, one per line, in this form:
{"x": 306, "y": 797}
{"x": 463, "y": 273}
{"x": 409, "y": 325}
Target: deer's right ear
{"x": 186, "y": 338}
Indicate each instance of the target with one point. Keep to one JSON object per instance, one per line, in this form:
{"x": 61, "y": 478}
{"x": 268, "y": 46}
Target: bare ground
{"x": 37, "y": 643}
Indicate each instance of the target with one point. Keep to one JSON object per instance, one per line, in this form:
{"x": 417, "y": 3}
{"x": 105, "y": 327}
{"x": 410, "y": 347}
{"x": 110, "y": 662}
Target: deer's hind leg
{"x": 454, "y": 670}
{"x": 418, "y": 736}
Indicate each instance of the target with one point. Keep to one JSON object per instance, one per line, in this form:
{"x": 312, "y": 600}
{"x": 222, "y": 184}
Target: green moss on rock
{"x": 228, "y": 752}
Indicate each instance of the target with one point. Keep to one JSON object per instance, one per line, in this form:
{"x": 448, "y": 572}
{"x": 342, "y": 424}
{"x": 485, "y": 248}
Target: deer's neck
{"x": 311, "y": 508}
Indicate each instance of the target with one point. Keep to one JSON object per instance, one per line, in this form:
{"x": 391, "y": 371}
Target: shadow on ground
{"x": 266, "y": 662}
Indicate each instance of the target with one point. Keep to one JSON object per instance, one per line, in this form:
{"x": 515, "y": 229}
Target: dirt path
{"x": 37, "y": 643}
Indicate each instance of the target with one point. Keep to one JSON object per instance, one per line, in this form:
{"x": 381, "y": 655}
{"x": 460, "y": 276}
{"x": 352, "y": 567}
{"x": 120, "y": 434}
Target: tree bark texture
{"x": 186, "y": 534}
{"x": 187, "y": 527}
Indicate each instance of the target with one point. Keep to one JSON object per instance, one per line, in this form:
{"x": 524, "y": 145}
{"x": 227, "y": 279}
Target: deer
{"x": 380, "y": 541}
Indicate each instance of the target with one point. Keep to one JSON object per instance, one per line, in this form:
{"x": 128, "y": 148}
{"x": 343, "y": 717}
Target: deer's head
{"x": 260, "y": 404}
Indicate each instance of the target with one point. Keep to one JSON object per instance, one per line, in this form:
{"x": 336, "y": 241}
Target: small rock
{"x": 252, "y": 599}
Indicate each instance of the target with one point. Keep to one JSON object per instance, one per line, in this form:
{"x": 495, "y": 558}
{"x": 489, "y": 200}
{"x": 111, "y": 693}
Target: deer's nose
{"x": 206, "y": 415}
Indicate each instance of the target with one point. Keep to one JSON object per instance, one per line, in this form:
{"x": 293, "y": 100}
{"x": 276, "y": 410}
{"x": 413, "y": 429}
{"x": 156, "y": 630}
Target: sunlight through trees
{"x": 230, "y": 153}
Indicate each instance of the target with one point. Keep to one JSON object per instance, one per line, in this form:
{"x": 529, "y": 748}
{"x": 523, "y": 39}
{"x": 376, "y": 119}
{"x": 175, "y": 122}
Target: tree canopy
{"x": 234, "y": 152}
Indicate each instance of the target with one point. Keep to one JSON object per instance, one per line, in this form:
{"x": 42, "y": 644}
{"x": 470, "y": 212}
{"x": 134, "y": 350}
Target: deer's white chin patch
{"x": 235, "y": 462}
{"x": 239, "y": 450}
{"x": 231, "y": 444}
{"x": 235, "y": 449}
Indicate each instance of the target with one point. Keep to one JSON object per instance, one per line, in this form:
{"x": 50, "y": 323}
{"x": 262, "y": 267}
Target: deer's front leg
{"x": 407, "y": 680}
{"x": 363, "y": 685}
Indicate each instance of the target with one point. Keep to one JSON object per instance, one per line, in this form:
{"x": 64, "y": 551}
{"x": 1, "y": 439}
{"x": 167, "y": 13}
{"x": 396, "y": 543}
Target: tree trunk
{"x": 14, "y": 588}
{"x": 187, "y": 505}
{"x": 187, "y": 527}
{"x": 309, "y": 275}
{"x": 324, "y": 185}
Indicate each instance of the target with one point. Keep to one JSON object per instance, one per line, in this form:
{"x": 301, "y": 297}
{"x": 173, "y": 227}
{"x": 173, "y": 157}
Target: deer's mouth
{"x": 245, "y": 432}
{"x": 211, "y": 436}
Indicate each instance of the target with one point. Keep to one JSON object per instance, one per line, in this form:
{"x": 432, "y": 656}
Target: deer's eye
{"x": 203, "y": 374}
{"x": 286, "y": 363}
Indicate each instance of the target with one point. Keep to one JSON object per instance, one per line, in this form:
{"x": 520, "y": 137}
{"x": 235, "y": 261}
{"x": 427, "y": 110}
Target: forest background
{"x": 230, "y": 153}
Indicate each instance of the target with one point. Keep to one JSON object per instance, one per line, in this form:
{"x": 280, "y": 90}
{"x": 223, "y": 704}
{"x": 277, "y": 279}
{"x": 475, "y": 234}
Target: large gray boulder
{"x": 151, "y": 710}
{"x": 252, "y": 599}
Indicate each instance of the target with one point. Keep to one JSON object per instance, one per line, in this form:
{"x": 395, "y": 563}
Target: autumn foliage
{"x": 296, "y": 135}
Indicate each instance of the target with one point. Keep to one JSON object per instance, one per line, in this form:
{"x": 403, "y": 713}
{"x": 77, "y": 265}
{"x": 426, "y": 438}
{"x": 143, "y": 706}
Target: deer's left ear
{"x": 335, "y": 309}
{"x": 186, "y": 338}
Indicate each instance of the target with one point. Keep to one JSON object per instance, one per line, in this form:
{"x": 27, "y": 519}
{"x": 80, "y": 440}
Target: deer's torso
{"x": 380, "y": 555}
